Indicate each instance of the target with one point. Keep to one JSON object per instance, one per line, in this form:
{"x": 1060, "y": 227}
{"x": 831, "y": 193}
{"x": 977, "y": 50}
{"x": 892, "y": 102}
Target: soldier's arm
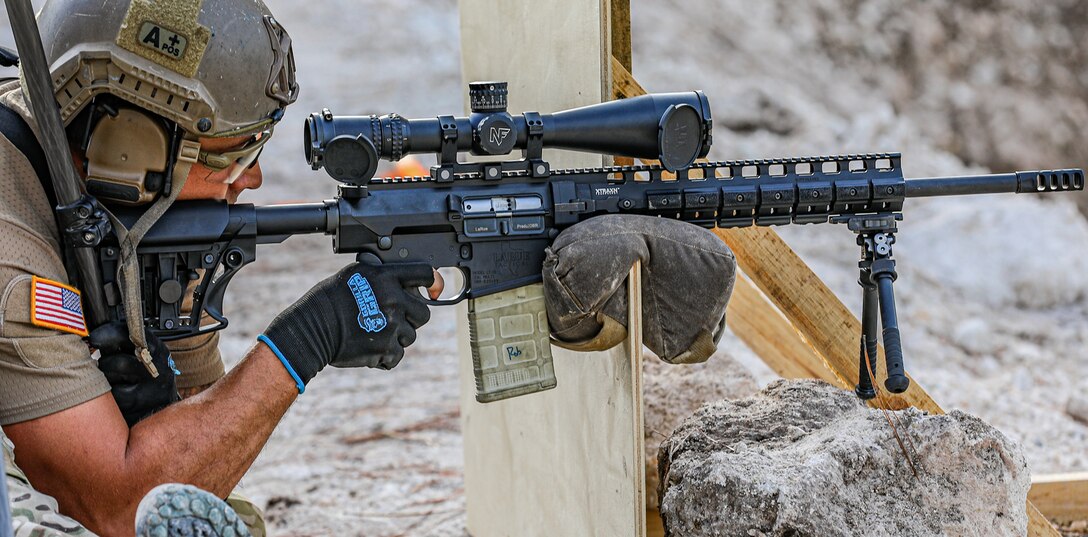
{"x": 98, "y": 469}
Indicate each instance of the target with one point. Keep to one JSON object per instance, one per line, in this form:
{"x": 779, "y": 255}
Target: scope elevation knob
{"x": 487, "y": 97}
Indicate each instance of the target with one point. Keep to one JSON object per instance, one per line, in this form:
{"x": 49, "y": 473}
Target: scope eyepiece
{"x": 674, "y": 128}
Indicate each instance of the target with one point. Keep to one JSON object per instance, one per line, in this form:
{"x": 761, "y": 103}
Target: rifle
{"x": 493, "y": 220}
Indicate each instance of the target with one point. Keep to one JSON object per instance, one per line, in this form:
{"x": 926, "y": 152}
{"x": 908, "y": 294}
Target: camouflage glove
{"x": 363, "y": 316}
{"x": 687, "y": 277}
{"x": 138, "y": 395}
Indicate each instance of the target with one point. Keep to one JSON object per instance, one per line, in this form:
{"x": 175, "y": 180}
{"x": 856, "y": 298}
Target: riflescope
{"x": 674, "y": 128}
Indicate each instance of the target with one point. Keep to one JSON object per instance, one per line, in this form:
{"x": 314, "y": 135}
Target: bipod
{"x": 876, "y": 235}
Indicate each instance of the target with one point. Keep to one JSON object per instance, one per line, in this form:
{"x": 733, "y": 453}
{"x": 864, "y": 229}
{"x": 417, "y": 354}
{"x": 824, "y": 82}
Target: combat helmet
{"x": 166, "y": 72}
{"x": 213, "y": 67}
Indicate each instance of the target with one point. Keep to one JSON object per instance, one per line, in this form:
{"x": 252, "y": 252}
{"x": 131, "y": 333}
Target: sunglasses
{"x": 242, "y": 158}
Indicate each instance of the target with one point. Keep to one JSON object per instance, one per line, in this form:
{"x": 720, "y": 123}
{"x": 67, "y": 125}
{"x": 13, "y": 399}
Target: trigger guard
{"x": 368, "y": 258}
{"x": 448, "y": 301}
{"x": 465, "y": 290}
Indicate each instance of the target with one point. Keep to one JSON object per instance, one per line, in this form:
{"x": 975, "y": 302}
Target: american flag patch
{"x": 58, "y": 306}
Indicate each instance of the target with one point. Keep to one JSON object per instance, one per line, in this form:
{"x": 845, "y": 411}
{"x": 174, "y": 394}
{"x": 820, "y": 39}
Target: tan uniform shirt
{"x": 42, "y": 370}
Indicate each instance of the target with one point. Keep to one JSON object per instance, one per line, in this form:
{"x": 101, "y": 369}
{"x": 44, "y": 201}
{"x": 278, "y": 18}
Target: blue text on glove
{"x": 371, "y": 318}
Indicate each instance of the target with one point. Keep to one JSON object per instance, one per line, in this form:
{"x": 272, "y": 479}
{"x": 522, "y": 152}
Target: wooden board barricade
{"x": 567, "y": 461}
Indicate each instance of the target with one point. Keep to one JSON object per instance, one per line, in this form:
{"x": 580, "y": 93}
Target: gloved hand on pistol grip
{"x": 362, "y": 316}
{"x": 687, "y": 277}
{"x": 137, "y": 394}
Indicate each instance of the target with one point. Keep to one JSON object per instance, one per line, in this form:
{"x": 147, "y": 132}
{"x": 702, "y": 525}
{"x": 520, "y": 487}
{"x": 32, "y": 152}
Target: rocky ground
{"x": 803, "y": 458}
{"x": 992, "y": 301}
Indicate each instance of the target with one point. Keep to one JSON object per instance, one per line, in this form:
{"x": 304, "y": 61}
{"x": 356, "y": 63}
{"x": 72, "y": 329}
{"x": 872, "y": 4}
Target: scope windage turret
{"x": 674, "y": 128}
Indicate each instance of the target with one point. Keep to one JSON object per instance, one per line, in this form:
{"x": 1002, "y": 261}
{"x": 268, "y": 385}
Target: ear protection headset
{"x": 129, "y": 153}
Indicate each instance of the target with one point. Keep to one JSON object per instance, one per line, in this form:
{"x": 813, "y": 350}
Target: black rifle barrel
{"x": 1001, "y": 183}
{"x": 963, "y": 185}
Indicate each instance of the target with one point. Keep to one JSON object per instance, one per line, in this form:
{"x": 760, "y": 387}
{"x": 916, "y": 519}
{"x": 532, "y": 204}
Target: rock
{"x": 673, "y": 392}
{"x": 983, "y": 249}
{"x": 974, "y": 335}
{"x": 803, "y": 458}
{"x": 1077, "y": 406}
{"x": 756, "y": 109}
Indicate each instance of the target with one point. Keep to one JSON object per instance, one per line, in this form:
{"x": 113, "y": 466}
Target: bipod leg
{"x": 867, "y": 355}
{"x": 876, "y": 235}
{"x": 883, "y": 275}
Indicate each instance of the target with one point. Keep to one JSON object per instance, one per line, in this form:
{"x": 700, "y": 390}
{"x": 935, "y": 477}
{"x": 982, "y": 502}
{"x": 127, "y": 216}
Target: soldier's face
{"x": 207, "y": 183}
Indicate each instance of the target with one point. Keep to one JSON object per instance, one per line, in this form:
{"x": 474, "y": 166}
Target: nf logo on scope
{"x": 497, "y": 135}
{"x": 165, "y": 41}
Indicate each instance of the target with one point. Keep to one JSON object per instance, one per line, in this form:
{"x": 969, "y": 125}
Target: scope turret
{"x": 487, "y": 97}
{"x": 674, "y": 128}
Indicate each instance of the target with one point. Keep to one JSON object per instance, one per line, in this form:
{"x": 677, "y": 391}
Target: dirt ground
{"x": 993, "y": 307}
{"x": 991, "y": 326}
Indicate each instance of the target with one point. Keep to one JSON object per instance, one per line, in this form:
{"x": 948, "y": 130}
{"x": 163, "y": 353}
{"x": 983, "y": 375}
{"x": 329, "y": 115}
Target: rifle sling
{"x": 19, "y": 133}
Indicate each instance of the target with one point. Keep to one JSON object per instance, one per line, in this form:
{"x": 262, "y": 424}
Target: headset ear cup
{"x": 127, "y": 157}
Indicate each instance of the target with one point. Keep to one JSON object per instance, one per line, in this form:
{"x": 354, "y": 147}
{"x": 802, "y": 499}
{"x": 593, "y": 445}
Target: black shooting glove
{"x": 138, "y": 395}
{"x": 363, "y": 316}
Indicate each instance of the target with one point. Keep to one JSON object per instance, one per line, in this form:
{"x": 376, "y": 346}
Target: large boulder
{"x": 803, "y": 458}
{"x": 674, "y": 392}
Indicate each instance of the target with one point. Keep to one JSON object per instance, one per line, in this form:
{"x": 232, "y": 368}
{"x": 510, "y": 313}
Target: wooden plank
{"x": 771, "y": 336}
{"x": 813, "y": 309}
{"x": 620, "y": 24}
{"x": 1038, "y": 525}
{"x": 638, "y": 420}
{"x": 1062, "y": 497}
{"x": 565, "y": 461}
{"x": 654, "y": 526}
{"x": 624, "y": 84}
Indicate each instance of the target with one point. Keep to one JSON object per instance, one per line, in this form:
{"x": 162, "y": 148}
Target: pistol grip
{"x": 509, "y": 340}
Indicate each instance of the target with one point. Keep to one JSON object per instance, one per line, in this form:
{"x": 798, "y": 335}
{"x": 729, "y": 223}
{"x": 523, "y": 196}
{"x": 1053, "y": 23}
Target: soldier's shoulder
{"x": 11, "y": 96}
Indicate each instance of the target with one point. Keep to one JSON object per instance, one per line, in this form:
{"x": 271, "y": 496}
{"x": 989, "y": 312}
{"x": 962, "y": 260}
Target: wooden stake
{"x": 763, "y": 328}
{"x": 638, "y": 423}
{"x": 1062, "y": 497}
